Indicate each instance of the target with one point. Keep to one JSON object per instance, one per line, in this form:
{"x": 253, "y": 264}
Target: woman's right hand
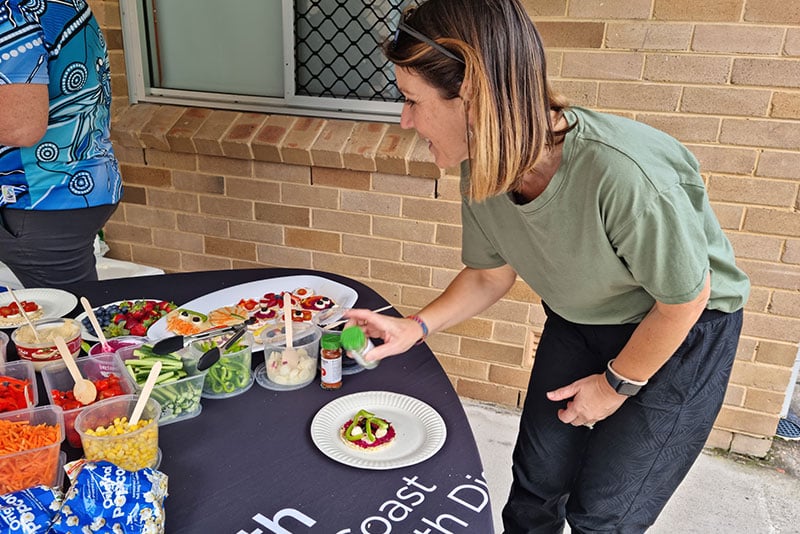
{"x": 398, "y": 334}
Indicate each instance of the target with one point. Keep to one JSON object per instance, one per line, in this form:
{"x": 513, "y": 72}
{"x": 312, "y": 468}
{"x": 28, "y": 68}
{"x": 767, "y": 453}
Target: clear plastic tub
{"x": 132, "y": 450}
{"x": 295, "y": 371}
{"x": 232, "y": 375}
{"x": 19, "y": 370}
{"x": 101, "y": 366}
{"x": 118, "y": 343}
{"x": 179, "y": 400}
{"x": 3, "y": 346}
{"x": 40, "y": 465}
{"x": 44, "y": 351}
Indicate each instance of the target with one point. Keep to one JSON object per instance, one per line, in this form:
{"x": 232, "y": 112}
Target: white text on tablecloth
{"x": 396, "y": 514}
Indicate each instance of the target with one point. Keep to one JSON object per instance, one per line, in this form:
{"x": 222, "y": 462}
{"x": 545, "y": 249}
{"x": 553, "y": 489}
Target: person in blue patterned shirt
{"x": 59, "y": 178}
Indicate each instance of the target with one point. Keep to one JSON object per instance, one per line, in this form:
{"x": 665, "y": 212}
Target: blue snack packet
{"x": 105, "y": 498}
{"x": 29, "y": 511}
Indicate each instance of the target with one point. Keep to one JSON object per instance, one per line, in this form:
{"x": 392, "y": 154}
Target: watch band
{"x": 622, "y": 385}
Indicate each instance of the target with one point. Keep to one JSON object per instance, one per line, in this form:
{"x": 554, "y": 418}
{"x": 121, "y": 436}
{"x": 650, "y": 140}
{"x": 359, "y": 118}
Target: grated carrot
{"x": 20, "y": 471}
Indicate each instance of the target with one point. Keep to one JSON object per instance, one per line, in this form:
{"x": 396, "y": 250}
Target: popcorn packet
{"x": 29, "y": 511}
{"x": 105, "y": 498}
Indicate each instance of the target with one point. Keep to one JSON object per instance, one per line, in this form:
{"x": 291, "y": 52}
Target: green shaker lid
{"x": 330, "y": 342}
{"x": 353, "y": 338}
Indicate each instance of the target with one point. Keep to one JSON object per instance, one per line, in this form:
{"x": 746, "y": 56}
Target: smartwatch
{"x": 622, "y": 385}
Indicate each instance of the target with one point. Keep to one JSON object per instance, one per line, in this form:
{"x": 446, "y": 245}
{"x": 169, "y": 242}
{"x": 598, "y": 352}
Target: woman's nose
{"x": 406, "y": 121}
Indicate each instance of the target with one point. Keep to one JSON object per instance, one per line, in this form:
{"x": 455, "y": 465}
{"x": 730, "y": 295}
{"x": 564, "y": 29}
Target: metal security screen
{"x": 337, "y": 48}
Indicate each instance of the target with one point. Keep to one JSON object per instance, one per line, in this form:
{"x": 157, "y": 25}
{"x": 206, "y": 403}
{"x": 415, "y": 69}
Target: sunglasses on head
{"x": 405, "y": 28}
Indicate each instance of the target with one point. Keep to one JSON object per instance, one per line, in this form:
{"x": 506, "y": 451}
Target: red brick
{"x": 737, "y": 39}
{"x": 545, "y": 8}
{"x": 761, "y": 133}
{"x": 687, "y": 68}
{"x": 296, "y": 146}
{"x": 328, "y": 148}
{"x": 147, "y": 176}
{"x": 648, "y": 36}
{"x": 610, "y": 9}
{"x": 359, "y": 152}
{"x": 341, "y": 178}
{"x": 267, "y": 141}
{"x": 685, "y": 128}
{"x": 779, "y": 165}
{"x": 236, "y": 143}
{"x": 633, "y": 96}
{"x": 725, "y": 101}
{"x": 694, "y": 11}
{"x": 393, "y": 150}
{"x": 180, "y": 135}
{"x": 602, "y": 65}
{"x": 128, "y": 125}
{"x": 568, "y": 34}
{"x": 154, "y": 133}
{"x": 725, "y": 160}
{"x": 783, "y": 12}
{"x": 785, "y": 105}
{"x": 207, "y": 139}
{"x": 766, "y": 72}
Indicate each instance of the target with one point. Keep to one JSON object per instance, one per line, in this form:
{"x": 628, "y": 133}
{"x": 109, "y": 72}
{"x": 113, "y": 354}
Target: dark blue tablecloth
{"x": 247, "y": 464}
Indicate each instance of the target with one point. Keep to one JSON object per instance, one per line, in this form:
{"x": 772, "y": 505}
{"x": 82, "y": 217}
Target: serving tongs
{"x": 212, "y": 355}
{"x": 176, "y": 343}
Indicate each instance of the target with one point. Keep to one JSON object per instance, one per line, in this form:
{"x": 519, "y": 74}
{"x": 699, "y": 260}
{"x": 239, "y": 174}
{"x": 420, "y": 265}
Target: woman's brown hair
{"x": 503, "y": 78}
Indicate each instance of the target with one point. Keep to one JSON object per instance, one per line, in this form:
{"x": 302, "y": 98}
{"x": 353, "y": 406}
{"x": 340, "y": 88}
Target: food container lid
{"x": 353, "y": 338}
{"x": 330, "y": 342}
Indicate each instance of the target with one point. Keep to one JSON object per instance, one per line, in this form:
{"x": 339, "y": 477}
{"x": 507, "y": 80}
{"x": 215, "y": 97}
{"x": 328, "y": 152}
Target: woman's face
{"x": 441, "y": 122}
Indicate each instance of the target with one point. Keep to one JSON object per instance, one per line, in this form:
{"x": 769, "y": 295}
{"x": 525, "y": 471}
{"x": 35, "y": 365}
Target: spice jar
{"x": 358, "y": 345}
{"x": 330, "y": 362}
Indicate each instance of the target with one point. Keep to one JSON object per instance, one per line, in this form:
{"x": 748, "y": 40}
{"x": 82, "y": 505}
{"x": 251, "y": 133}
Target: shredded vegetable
{"x": 20, "y": 471}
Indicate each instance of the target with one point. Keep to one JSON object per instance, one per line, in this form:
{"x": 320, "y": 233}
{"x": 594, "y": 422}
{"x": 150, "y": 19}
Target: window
{"x": 307, "y": 57}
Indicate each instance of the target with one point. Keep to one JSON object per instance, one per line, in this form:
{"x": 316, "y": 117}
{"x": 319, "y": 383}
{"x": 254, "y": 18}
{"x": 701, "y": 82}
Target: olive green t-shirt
{"x": 625, "y": 221}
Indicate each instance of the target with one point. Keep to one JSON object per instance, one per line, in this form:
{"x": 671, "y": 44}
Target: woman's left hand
{"x": 591, "y": 399}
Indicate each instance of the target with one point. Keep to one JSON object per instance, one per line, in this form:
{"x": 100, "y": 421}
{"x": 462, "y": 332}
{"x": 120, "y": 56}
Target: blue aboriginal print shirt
{"x": 58, "y": 43}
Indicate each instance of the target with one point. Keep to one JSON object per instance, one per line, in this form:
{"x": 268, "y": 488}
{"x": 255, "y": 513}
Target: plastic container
{"x": 118, "y": 343}
{"x": 3, "y": 346}
{"x": 24, "y": 469}
{"x": 357, "y": 344}
{"x": 232, "y": 375}
{"x": 44, "y": 352}
{"x": 56, "y": 376}
{"x": 131, "y": 450}
{"x": 180, "y": 399}
{"x": 19, "y": 370}
{"x": 299, "y": 370}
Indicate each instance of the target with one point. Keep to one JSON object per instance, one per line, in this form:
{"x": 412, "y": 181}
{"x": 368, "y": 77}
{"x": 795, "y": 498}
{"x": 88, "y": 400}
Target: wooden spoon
{"x": 24, "y": 315}
{"x": 96, "y": 325}
{"x": 145, "y": 394}
{"x": 84, "y": 390}
{"x": 290, "y": 355}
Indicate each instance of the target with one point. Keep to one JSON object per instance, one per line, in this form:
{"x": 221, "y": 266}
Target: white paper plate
{"x": 421, "y": 431}
{"x": 85, "y": 333}
{"x": 54, "y": 302}
{"x": 340, "y": 294}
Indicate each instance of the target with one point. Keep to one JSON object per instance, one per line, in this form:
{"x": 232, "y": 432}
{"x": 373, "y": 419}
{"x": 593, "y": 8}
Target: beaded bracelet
{"x": 417, "y": 319}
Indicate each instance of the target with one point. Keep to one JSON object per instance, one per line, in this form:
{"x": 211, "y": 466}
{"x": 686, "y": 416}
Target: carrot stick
{"x": 39, "y": 466}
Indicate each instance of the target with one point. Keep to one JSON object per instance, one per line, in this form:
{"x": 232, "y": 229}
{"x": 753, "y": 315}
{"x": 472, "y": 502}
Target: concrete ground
{"x": 721, "y": 494}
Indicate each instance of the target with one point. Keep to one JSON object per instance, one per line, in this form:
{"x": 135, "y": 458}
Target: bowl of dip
{"x": 118, "y": 343}
{"x": 44, "y": 350}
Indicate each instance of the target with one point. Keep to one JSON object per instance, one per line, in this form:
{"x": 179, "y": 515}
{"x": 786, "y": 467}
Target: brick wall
{"x": 214, "y": 189}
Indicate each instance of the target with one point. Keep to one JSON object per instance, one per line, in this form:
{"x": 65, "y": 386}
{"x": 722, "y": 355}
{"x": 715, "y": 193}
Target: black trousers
{"x": 51, "y": 248}
{"x": 618, "y": 476}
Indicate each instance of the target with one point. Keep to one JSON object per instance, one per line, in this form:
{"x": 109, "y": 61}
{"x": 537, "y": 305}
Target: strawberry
{"x": 118, "y": 318}
{"x": 136, "y": 329}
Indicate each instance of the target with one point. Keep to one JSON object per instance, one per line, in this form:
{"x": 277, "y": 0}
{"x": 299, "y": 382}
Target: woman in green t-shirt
{"x": 609, "y": 223}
